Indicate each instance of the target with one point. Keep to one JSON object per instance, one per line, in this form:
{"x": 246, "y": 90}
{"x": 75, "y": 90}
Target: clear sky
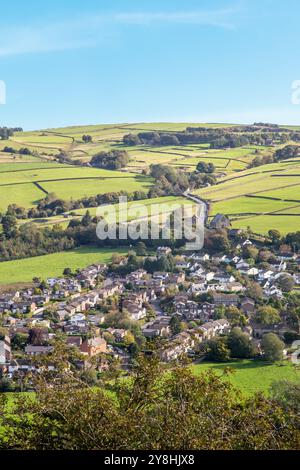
{"x": 99, "y": 61}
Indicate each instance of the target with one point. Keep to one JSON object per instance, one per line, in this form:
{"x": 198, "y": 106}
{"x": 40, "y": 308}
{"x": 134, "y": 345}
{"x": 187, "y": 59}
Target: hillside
{"x": 260, "y": 198}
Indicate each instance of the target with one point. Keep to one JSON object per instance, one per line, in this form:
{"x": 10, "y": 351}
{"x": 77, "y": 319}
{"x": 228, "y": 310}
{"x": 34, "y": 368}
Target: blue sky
{"x": 99, "y": 61}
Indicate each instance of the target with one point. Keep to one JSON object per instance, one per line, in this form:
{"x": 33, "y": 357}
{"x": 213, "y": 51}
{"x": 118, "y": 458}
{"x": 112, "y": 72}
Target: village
{"x": 101, "y": 312}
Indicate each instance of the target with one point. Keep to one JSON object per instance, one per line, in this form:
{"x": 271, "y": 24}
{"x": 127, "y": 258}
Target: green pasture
{"x": 52, "y": 265}
{"x": 252, "y": 376}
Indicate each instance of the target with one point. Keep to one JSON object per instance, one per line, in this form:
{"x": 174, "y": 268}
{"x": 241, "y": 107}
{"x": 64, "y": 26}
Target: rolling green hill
{"x": 261, "y": 198}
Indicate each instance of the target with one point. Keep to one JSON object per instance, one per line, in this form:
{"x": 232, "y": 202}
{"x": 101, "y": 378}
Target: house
{"x": 214, "y": 328}
{"x": 93, "y": 346}
{"x": 209, "y": 276}
{"x": 183, "y": 264}
{"x": 224, "y": 277}
{"x": 206, "y": 311}
{"x": 180, "y": 344}
{"x": 220, "y": 221}
{"x": 247, "y": 243}
{"x": 297, "y": 279}
{"x": 136, "y": 312}
{"x": 248, "y": 306}
{"x": 198, "y": 287}
{"x": 160, "y": 275}
{"x": 200, "y": 257}
{"x": 163, "y": 251}
{"x": 225, "y": 299}
{"x": 37, "y": 350}
{"x": 188, "y": 309}
{"x": 74, "y": 341}
{"x": 5, "y": 351}
{"x": 233, "y": 287}
{"x": 78, "y": 318}
{"x": 97, "y": 319}
{"x": 263, "y": 275}
{"x": 177, "y": 278}
{"x": 23, "y": 307}
{"x": 251, "y": 271}
{"x": 159, "y": 327}
{"x": 242, "y": 265}
{"x": 118, "y": 333}
{"x": 136, "y": 275}
{"x": 274, "y": 291}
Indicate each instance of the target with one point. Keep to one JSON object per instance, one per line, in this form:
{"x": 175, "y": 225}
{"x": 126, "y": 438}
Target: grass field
{"x": 109, "y": 211}
{"x": 26, "y": 180}
{"x": 252, "y": 376}
{"x": 27, "y": 183}
{"x": 248, "y": 205}
{"x": 263, "y": 223}
{"x": 274, "y": 192}
{"x": 52, "y": 265}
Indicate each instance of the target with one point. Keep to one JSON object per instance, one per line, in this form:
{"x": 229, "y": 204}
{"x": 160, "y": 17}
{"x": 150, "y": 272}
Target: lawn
{"x": 252, "y": 376}
{"x": 52, "y": 265}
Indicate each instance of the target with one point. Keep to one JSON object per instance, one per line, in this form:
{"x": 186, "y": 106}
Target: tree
{"x": 286, "y": 283}
{"x": 67, "y": 272}
{"x": 19, "y": 341}
{"x": 275, "y": 236}
{"x": 128, "y": 338}
{"x": 217, "y": 350}
{"x": 235, "y": 316}
{"x": 254, "y": 290}
{"x": 36, "y": 336}
{"x": 267, "y": 315}
{"x": 86, "y": 219}
{"x": 250, "y": 252}
{"x": 9, "y": 225}
{"x": 204, "y": 167}
{"x": 240, "y": 345}
{"x": 272, "y": 347}
{"x": 87, "y": 138}
{"x": 175, "y": 325}
{"x": 110, "y": 160}
{"x": 287, "y": 394}
{"x": 141, "y": 249}
{"x": 150, "y": 411}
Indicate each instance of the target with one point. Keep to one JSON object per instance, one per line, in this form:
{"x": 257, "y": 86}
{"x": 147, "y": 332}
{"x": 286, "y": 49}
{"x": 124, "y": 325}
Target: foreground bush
{"x": 152, "y": 410}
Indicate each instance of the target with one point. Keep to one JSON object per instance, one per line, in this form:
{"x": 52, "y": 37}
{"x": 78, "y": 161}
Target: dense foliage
{"x": 112, "y": 160}
{"x": 151, "y": 411}
{"x": 258, "y": 134}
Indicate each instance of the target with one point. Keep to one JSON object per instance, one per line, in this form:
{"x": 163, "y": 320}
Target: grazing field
{"x": 248, "y": 205}
{"x": 252, "y": 376}
{"x": 263, "y": 223}
{"x": 165, "y": 205}
{"x": 24, "y": 195}
{"x": 229, "y": 161}
{"x": 76, "y": 189}
{"x": 52, "y": 265}
{"x": 50, "y": 142}
{"x": 25, "y": 180}
{"x": 262, "y": 198}
{"x": 26, "y": 184}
